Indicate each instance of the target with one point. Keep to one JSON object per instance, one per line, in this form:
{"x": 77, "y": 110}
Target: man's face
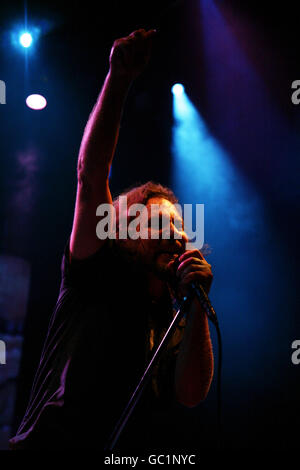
{"x": 163, "y": 220}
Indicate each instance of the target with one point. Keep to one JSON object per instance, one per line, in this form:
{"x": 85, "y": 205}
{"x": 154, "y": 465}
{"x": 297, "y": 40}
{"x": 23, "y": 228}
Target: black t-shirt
{"x": 101, "y": 336}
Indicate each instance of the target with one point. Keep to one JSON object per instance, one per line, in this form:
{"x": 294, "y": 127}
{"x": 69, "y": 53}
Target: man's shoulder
{"x": 81, "y": 272}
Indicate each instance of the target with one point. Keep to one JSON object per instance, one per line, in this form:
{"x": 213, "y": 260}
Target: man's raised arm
{"x": 128, "y": 58}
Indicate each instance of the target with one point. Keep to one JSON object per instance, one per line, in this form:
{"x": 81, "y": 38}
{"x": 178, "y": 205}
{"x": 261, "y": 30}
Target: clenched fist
{"x": 130, "y": 55}
{"x": 192, "y": 267}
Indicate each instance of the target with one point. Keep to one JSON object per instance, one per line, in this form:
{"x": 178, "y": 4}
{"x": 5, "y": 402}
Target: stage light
{"x": 25, "y": 39}
{"x": 36, "y": 102}
{"x": 177, "y": 89}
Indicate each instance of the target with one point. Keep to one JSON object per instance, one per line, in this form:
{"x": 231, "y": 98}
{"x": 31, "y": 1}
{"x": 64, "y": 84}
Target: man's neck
{"x": 156, "y": 287}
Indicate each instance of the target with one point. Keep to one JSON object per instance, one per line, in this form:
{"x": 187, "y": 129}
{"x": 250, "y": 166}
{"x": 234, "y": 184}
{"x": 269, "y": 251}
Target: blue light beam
{"x": 25, "y": 40}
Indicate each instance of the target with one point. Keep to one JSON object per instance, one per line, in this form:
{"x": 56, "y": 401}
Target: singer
{"x": 116, "y": 300}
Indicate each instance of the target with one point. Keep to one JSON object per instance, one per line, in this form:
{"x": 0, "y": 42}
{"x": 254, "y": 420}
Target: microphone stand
{"x": 146, "y": 376}
{"x": 198, "y": 290}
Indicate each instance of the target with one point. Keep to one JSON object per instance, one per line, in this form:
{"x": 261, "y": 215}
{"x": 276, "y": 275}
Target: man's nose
{"x": 178, "y": 233}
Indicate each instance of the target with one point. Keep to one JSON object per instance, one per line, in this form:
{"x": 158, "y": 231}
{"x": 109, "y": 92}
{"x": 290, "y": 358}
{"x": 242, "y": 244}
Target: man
{"x": 115, "y": 301}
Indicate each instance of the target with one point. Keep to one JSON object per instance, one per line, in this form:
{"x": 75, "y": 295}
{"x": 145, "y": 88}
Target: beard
{"x": 157, "y": 260}
{"x": 162, "y": 265}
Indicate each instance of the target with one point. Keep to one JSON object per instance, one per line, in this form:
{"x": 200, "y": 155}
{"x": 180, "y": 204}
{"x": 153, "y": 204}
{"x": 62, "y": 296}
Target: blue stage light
{"x": 25, "y": 39}
{"x": 177, "y": 89}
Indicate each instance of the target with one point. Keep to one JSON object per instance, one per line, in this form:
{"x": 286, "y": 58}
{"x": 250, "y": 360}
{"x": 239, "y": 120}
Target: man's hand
{"x": 193, "y": 267}
{"x": 130, "y": 55}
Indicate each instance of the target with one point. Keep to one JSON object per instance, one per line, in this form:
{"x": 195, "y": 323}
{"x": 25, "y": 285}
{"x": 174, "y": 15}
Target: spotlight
{"x": 177, "y": 89}
{"x": 36, "y": 102}
{"x": 25, "y": 39}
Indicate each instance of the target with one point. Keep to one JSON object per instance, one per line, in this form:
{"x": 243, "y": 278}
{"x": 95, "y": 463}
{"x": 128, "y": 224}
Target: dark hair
{"x": 142, "y": 193}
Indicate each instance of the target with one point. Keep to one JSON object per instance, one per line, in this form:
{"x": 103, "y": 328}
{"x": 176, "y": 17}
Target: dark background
{"x": 68, "y": 64}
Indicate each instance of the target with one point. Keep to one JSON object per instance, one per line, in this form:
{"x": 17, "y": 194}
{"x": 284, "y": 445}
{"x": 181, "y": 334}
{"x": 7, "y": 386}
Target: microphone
{"x": 196, "y": 289}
